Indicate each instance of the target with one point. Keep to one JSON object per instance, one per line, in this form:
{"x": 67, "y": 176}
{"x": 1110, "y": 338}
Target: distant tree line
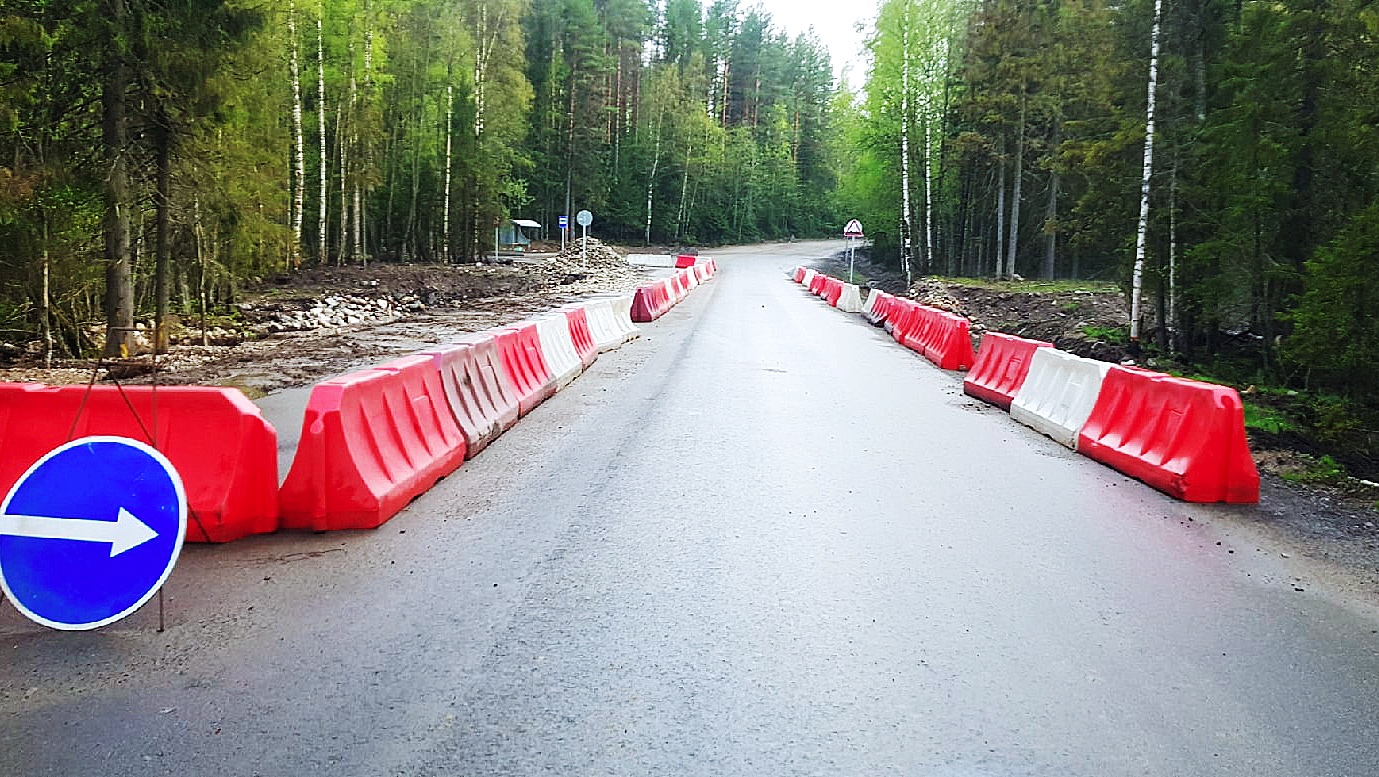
{"x": 1007, "y": 136}
{"x": 158, "y": 155}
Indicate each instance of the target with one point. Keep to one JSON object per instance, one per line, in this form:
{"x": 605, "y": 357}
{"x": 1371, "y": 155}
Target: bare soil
{"x": 295, "y": 329}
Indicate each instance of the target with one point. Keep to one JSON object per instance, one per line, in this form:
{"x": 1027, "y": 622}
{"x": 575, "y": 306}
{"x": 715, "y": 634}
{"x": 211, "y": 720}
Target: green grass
{"x": 1267, "y": 419}
{"x": 1044, "y": 287}
{"x": 1115, "y": 335}
{"x": 1324, "y": 470}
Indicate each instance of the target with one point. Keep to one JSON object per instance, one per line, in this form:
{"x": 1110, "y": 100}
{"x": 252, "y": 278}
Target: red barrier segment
{"x": 469, "y": 394}
{"x": 941, "y": 337}
{"x": 372, "y": 441}
{"x": 580, "y": 335}
{"x": 817, "y": 283}
{"x": 948, "y": 342}
{"x": 834, "y": 292}
{"x": 519, "y": 351}
{"x": 684, "y": 260}
{"x": 1001, "y": 367}
{"x": 497, "y": 385}
{"x": 1183, "y": 437}
{"x": 650, "y": 302}
{"x": 231, "y": 485}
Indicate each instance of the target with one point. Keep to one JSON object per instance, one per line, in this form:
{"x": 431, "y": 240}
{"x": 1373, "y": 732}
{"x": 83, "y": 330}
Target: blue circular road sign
{"x": 91, "y": 532}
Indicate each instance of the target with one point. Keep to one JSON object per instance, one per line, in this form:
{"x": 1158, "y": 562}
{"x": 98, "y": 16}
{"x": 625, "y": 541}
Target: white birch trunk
{"x": 906, "y": 222}
{"x": 928, "y": 191}
{"x": 340, "y": 135}
{"x": 1141, "y": 233}
{"x": 321, "y": 127}
{"x": 449, "y": 137}
{"x": 298, "y": 140}
{"x": 1001, "y": 217}
{"x": 651, "y": 179}
{"x": 1012, "y": 244}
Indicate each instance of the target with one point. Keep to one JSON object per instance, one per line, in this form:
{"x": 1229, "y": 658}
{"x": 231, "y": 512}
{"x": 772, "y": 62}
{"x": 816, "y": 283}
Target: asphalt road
{"x": 762, "y": 540}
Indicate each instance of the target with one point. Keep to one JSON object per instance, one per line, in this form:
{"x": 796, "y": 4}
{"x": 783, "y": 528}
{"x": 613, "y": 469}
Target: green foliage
{"x": 1337, "y": 320}
{"x": 1114, "y": 335}
{"x": 1323, "y": 471}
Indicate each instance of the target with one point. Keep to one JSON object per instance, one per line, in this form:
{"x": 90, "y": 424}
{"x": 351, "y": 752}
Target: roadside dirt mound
{"x": 1081, "y": 321}
{"x": 297, "y": 328}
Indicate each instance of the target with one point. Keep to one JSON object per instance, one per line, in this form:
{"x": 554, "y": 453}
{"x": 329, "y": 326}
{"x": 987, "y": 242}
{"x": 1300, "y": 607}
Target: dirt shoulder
{"x": 296, "y": 329}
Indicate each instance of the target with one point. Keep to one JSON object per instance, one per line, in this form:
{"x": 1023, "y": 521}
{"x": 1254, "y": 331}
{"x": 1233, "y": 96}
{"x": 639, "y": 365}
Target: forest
{"x": 1217, "y": 159}
{"x": 1227, "y": 148}
{"x": 162, "y": 154}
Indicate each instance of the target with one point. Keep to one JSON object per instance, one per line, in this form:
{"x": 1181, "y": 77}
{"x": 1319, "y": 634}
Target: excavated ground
{"x": 296, "y": 329}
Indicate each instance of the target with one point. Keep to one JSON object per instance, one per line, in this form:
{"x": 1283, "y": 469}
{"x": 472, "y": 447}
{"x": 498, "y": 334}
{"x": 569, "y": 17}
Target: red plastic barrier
{"x": 650, "y": 302}
{"x": 580, "y": 335}
{"x": 217, "y": 440}
{"x": 497, "y": 386}
{"x": 948, "y": 341}
{"x": 470, "y": 395}
{"x": 1001, "y": 368}
{"x": 834, "y": 292}
{"x": 880, "y": 307}
{"x": 684, "y": 260}
{"x": 1180, "y": 436}
{"x": 941, "y": 337}
{"x": 817, "y": 284}
{"x": 519, "y": 350}
{"x": 372, "y": 441}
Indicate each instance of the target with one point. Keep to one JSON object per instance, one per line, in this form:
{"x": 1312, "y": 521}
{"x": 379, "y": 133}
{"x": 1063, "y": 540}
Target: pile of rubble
{"x": 338, "y": 311}
{"x": 600, "y": 257}
{"x": 936, "y": 295}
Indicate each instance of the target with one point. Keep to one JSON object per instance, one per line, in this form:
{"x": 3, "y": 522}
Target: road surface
{"x": 762, "y": 540}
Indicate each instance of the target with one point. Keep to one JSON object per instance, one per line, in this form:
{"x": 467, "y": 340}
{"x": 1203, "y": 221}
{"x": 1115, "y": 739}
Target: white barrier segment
{"x": 851, "y": 299}
{"x": 808, "y": 278}
{"x": 558, "y": 348}
{"x": 1059, "y": 394}
{"x": 869, "y": 307}
{"x": 602, "y": 327}
{"x": 622, "y": 316}
{"x": 651, "y": 260}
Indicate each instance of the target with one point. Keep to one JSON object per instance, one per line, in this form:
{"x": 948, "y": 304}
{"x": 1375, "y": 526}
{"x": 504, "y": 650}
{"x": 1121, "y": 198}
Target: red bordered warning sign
{"x": 853, "y": 229}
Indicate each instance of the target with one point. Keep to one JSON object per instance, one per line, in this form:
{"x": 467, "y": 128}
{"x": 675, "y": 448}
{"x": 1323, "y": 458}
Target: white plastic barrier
{"x": 808, "y": 278}
{"x": 558, "y": 349}
{"x": 869, "y": 308}
{"x": 851, "y": 299}
{"x": 602, "y": 327}
{"x": 1059, "y": 394}
{"x": 622, "y": 316}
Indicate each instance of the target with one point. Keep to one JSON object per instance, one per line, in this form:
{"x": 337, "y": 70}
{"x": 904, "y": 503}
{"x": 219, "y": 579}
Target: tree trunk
{"x": 1142, "y": 232}
{"x": 341, "y": 141}
{"x": 323, "y": 248}
{"x": 119, "y": 288}
{"x": 163, "y": 234}
{"x": 1012, "y": 244}
{"x": 298, "y": 143}
{"x": 1051, "y": 218}
{"x": 651, "y": 179}
{"x": 929, "y": 263}
{"x": 906, "y": 217}
{"x": 1000, "y": 215}
{"x": 449, "y": 138}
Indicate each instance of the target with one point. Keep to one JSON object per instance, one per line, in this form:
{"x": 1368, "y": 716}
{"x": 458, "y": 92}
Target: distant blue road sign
{"x": 91, "y": 532}
{"x": 564, "y": 222}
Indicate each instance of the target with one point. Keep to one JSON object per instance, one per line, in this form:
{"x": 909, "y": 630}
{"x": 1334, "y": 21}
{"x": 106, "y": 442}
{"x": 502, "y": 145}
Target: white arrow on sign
{"x": 124, "y": 533}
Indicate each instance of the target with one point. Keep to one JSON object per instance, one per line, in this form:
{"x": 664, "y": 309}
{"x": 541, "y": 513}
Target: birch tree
{"x": 1141, "y": 232}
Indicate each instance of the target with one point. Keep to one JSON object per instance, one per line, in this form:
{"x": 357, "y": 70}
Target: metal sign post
{"x": 852, "y": 233}
{"x": 585, "y": 218}
{"x": 564, "y": 226}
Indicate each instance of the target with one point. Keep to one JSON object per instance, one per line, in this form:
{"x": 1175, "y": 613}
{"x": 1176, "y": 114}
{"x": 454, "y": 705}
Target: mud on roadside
{"x": 293, "y": 330}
